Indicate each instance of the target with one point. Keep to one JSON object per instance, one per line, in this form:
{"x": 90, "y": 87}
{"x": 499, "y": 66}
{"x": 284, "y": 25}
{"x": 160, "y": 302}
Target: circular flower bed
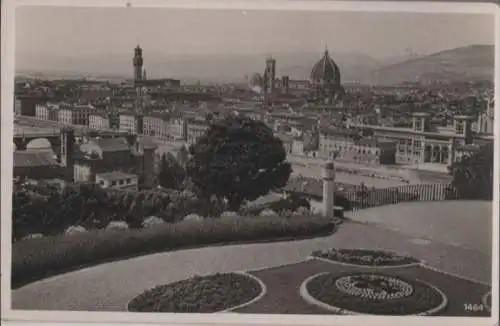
{"x": 214, "y": 293}
{"x": 364, "y": 257}
{"x": 374, "y": 287}
{"x": 376, "y": 294}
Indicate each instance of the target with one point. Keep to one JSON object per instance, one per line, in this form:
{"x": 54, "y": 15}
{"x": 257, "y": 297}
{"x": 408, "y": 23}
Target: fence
{"x": 364, "y": 197}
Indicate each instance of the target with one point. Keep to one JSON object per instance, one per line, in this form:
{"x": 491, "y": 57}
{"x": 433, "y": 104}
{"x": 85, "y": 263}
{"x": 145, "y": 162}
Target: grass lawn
{"x": 35, "y": 259}
{"x": 283, "y": 284}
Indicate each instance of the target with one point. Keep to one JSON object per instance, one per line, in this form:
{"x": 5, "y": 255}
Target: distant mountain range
{"x": 472, "y": 62}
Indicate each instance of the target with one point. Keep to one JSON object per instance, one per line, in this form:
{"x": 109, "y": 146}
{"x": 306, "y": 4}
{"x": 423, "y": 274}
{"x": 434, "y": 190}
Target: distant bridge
{"x": 23, "y": 135}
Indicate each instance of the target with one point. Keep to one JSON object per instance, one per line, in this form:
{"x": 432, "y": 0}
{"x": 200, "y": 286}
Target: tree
{"x": 171, "y": 174}
{"x": 183, "y": 156}
{"x": 473, "y": 174}
{"x": 238, "y": 159}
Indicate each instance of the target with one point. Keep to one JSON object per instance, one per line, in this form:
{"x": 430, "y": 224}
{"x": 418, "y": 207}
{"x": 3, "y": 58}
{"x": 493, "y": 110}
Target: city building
{"x": 486, "y": 120}
{"x": 75, "y": 114}
{"x": 269, "y": 78}
{"x": 26, "y": 104}
{"x": 348, "y": 145}
{"x": 124, "y": 154}
{"x": 99, "y": 121}
{"x": 131, "y": 122}
{"x": 196, "y": 128}
{"x": 152, "y": 84}
{"x": 156, "y": 124}
{"x": 36, "y": 165}
{"x": 177, "y": 128}
{"x": 298, "y": 145}
{"x": 427, "y": 143}
{"x": 117, "y": 180}
{"x": 287, "y": 142}
{"x": 47, "y": 112}
{"x": 325, "y": 80}
{"x": 138, "y": 62}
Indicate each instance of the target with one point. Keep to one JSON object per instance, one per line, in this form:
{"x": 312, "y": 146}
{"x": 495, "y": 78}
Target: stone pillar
{"x": 328, "y": 189}
{"x": 451, "y": 151}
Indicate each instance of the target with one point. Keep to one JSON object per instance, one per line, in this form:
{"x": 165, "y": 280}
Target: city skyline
{"x": 252, "y": 32}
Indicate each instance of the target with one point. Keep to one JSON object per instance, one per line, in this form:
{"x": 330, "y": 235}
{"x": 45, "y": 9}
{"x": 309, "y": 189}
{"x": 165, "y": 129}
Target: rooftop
{"x": 112, "y": 144}
{"x": 115, "y": 175}
{"x": 34, "y": 159}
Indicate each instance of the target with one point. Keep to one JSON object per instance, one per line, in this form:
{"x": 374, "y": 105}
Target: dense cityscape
{"x": 420, "y": 127}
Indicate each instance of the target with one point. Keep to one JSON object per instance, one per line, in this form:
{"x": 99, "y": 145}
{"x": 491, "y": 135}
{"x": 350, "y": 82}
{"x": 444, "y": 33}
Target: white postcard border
{"x": 7, "y": 88}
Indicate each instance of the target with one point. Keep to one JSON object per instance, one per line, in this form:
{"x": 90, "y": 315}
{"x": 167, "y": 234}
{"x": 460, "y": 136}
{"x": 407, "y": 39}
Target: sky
{"x": 75, "y": 32}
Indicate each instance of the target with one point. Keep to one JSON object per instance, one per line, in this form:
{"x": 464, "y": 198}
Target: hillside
{"x": 475, "y": 62}
{"x": 216, "y": 67}
{"x": 466, "y": 63}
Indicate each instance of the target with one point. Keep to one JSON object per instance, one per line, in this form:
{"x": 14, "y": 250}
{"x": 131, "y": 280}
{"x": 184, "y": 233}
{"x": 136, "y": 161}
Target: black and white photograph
{"x": 250, "y": 162}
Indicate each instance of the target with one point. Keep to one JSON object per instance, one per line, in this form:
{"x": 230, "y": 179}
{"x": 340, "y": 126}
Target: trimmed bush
{"x": 117, "y": 225}
{"x": 35, "y": 259}
{"x": 152, "y": 221}
{"x": 75, "y": 229}
{"x": 193, "y": 218}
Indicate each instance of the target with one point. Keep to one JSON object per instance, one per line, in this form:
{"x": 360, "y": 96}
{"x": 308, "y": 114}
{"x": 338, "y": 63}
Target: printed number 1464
{"x": 473, "y": 307}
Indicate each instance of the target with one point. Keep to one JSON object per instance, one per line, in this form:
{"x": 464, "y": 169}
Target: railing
{"x": 365, "y": 197}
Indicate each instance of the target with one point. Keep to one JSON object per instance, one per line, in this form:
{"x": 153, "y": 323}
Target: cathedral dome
{"x": 325, "y": 71}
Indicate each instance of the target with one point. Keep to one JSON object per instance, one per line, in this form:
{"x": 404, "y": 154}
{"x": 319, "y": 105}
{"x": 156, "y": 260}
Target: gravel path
{"x": 466, "y": 223}
{"x": 108, "y": 287}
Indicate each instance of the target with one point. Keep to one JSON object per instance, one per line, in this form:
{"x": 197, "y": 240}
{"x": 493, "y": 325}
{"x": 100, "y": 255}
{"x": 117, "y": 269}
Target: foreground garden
{"x": 336, "y": 281}
{"x": 57, "y": 230}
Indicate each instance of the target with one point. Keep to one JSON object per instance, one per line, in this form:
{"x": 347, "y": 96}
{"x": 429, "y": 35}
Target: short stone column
{"x": 328, "y": 189}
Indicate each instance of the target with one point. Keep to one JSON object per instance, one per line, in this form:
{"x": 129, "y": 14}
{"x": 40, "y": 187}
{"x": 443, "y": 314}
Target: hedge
{"x": 34, "y": 259}
{"x": 49, "y": 210}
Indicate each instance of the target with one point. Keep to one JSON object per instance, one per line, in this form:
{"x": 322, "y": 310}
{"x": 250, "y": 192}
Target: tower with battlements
{"x": 138, "y": 63}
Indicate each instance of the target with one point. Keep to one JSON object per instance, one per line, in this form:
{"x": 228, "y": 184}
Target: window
{"x": 113, "y": 183}
{"x": 418, "y": 125}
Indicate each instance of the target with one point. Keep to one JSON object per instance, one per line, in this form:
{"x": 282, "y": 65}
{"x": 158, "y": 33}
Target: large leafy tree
{"x": 172, "y": 174}
{"x": 238, "y": 159}
{"x": 473, "y": 174}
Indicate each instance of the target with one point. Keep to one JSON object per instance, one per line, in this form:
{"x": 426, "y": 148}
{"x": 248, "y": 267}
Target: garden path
{"x": 108, "y": 287}
{"x": 461, "y": 223}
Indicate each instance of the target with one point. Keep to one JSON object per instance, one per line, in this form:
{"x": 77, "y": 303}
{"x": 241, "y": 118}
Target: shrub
{"x": 48, "y": 210}
{"x": 38, "y": 258}
{"x": 291, "y": 203}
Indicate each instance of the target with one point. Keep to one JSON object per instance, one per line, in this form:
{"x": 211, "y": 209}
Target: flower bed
{"x": 214, "y": 293}
{"x": 376, "y": 294}
{"x": 365, "y": 257}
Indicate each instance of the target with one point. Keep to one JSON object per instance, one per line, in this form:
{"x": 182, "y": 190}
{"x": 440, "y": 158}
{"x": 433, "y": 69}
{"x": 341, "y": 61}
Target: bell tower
{"x": 138, "y": 62}
{"x": 271, "y": 74}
